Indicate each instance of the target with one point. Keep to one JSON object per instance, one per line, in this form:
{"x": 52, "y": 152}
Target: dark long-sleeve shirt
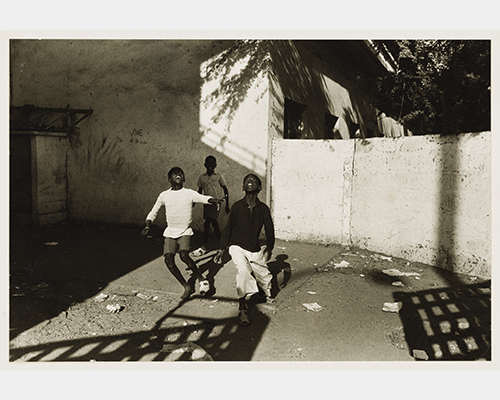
{"x": 243, "y": 228}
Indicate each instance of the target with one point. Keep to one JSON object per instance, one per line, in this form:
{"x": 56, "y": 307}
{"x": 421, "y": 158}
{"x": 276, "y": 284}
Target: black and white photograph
{"x": 222, "y": 199}
{"x": 344, "y": 191}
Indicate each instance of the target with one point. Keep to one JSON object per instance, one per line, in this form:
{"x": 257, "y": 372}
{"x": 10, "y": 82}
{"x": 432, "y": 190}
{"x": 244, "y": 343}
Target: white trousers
{"x": 252, "y": 271}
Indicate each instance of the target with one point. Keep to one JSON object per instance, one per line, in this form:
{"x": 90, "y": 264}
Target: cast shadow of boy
{"x": 276, "y": 267}
{"x": 213, "y": 269}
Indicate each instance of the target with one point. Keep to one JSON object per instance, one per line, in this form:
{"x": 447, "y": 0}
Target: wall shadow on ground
{"x": 204, "y": 339}
{"x": 54, "y": 267}
{"x": 451, "y": 323}
{"x": 68, "y": 263}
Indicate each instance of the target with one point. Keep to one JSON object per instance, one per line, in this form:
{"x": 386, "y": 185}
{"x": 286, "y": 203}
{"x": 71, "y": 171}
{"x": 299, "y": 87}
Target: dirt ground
{"x": 66, "y": 304}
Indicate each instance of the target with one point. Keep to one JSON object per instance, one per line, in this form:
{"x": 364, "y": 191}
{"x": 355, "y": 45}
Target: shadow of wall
{"x": 452, "y": 323}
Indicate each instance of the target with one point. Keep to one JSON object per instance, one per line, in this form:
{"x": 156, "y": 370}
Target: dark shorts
{"x": 210, "y": 211}
{"x": 170, "y": 245}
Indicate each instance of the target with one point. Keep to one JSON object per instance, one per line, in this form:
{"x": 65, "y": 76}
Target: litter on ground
{"x": 311, "y": 292}
{"x": 398, "y": 283}
{"x": 392, "y": 307}
{"x": 381, "y": 257}
{"x": 341, "y": 264}
{"x": 41, "y": 285}
{"x": 396, "y": 272}
{"x": 51, "y": 243}
{"x": 420, "y": 354}
{"x": 143, "y": 296}
{"x": 195, "y": 352}
{"x": 114, "y": 308}
{"x": 101, "y": 297}
{"x": 313, "y": 307}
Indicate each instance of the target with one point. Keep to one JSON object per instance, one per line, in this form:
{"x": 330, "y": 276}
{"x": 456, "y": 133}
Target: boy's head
{"x": 176, "y": 176}
{"x": 210, "y": 163}
{"x": 252, "y": 183}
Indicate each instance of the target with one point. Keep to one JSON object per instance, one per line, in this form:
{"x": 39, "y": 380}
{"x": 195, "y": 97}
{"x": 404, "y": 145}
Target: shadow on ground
{"x": 78, "y": 259}
{"x": 216, "y": 340}
{"x": 448, "y": 323}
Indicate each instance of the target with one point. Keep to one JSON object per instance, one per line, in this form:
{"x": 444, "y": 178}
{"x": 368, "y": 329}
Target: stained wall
{"x": 145, "y": 96}
{"x": 423, "y": 198}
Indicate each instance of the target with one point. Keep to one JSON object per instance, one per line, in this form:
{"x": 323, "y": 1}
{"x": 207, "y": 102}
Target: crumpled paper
{"x": 313, "y": 307}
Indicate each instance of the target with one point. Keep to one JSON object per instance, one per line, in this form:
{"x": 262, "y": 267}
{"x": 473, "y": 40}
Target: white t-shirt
{"x": 179, "y": 210}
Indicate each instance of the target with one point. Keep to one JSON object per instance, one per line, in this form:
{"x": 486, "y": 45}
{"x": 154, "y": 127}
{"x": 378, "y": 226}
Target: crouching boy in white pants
{"x": 241, "y": 238}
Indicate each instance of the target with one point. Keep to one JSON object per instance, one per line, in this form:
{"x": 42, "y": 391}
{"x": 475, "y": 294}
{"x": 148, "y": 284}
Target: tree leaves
{"x": 441, "y": 86}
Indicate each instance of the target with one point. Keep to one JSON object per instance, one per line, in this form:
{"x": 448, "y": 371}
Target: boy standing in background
{"x": 211, "y": 184}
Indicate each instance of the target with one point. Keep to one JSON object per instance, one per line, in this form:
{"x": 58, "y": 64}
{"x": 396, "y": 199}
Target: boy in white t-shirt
{"x": 178, "y": 202}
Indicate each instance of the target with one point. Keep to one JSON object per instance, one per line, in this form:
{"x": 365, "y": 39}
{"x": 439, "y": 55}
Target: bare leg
{"x": 215, "y": 225}
{"x": 242, "y": 303}
{"x": 206, "y": 231}
{"x": 184, "y": 254}
{"x": 170, "y": 261}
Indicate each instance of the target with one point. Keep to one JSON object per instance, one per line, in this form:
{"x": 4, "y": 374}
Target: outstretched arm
{"x": 213, "y": 200}
{"x": 147, "y": 228}
{"x": 152, "y": 215}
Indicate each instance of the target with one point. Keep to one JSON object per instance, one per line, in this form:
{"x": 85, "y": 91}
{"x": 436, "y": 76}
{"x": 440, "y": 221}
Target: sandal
{"x": 270, "y": 300}
{"x": 243, "y": 316}
{"x": 204, "y": 287}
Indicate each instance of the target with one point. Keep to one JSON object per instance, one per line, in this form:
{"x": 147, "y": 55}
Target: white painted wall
{"x": 310, "y": 195}
{"x": 427, "y": 199}
{"x": 423, "y": 198}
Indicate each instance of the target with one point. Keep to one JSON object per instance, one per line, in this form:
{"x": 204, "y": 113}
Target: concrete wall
{"x": 146, "y": 100}
{"x": 234, "y": 112}
{"x": 311, "y": 194}
{"x": 425, "y": 198}
{"x": 164, "y": 103}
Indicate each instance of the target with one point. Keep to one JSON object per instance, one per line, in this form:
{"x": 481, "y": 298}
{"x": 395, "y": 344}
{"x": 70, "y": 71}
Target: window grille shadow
{"x": 222, "y": 339}
{"x": 450, "y": 324}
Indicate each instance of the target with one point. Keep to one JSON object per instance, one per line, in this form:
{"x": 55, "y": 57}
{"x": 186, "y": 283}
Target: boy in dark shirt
{"x": 241, "y": 239}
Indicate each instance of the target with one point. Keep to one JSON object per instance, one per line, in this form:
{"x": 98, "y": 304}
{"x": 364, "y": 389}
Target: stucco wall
{"x": 146, "y": 100}
{"x": 311, "y": 194}
{"x": 425, "y": 198}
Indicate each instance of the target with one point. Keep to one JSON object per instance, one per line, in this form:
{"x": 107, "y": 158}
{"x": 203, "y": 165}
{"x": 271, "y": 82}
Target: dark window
{"x": 354, "y": 131}
{"x": 294, "y": 126}
{"x": 330, "y": 131}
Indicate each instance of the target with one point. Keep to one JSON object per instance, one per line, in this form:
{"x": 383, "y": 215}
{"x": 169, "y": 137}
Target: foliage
{"x": 236, "y": 69}
{"x": 441, "y": 86}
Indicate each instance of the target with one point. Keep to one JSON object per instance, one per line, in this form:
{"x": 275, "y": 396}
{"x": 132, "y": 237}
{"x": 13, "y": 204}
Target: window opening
{"x": 294, "y": 125}
{"x": 330, "y": 131}
{"x": 354, "y": 131}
